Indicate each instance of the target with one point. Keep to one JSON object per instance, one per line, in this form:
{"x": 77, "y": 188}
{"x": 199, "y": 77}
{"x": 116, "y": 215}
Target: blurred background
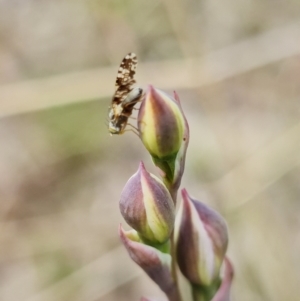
{"x": 236, "y": 67}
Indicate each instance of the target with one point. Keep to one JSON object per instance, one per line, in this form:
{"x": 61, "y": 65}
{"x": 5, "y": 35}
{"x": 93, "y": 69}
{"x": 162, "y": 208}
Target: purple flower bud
{"x": 201, "y": 240}
{"x": 223, "y": 293}
{"x": 156, "y": 264}
{"x": 147, "y": 207}
{"x": 161, "y": 124}
{"x": 164, "y": 132}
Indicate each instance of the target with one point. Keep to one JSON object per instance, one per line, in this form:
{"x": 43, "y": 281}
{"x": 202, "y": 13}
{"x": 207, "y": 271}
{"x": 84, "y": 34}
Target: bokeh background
{"x": 236, "y": 67}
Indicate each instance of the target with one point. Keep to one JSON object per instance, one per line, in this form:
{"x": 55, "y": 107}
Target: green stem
{"x": 202, "y": 293}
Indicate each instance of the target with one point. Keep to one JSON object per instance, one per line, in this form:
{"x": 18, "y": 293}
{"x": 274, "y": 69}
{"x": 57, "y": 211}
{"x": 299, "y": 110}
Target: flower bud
{"x": 162, "y": 129}
{"x": 223, "y": 293}
{"x": 201, "y": 240}
{"x": 156, "y": 264}
{"x": 147, "y": 207}
{"x": 160, "y": 123}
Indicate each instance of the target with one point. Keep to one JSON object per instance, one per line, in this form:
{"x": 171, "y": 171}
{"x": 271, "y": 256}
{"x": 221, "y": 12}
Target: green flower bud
{"x": 161, "y": 124}
{"x": 147, "y": 207}
{"x": 163, "y": 130}
{"x": 201, "y": 240}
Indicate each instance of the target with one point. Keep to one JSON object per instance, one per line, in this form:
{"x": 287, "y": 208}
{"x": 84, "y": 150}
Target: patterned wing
{"x": 125, "y": 78}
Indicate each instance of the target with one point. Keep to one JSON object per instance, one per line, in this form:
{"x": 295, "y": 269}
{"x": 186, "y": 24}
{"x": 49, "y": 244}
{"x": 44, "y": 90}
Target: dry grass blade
{"x": 266, "y": 48}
